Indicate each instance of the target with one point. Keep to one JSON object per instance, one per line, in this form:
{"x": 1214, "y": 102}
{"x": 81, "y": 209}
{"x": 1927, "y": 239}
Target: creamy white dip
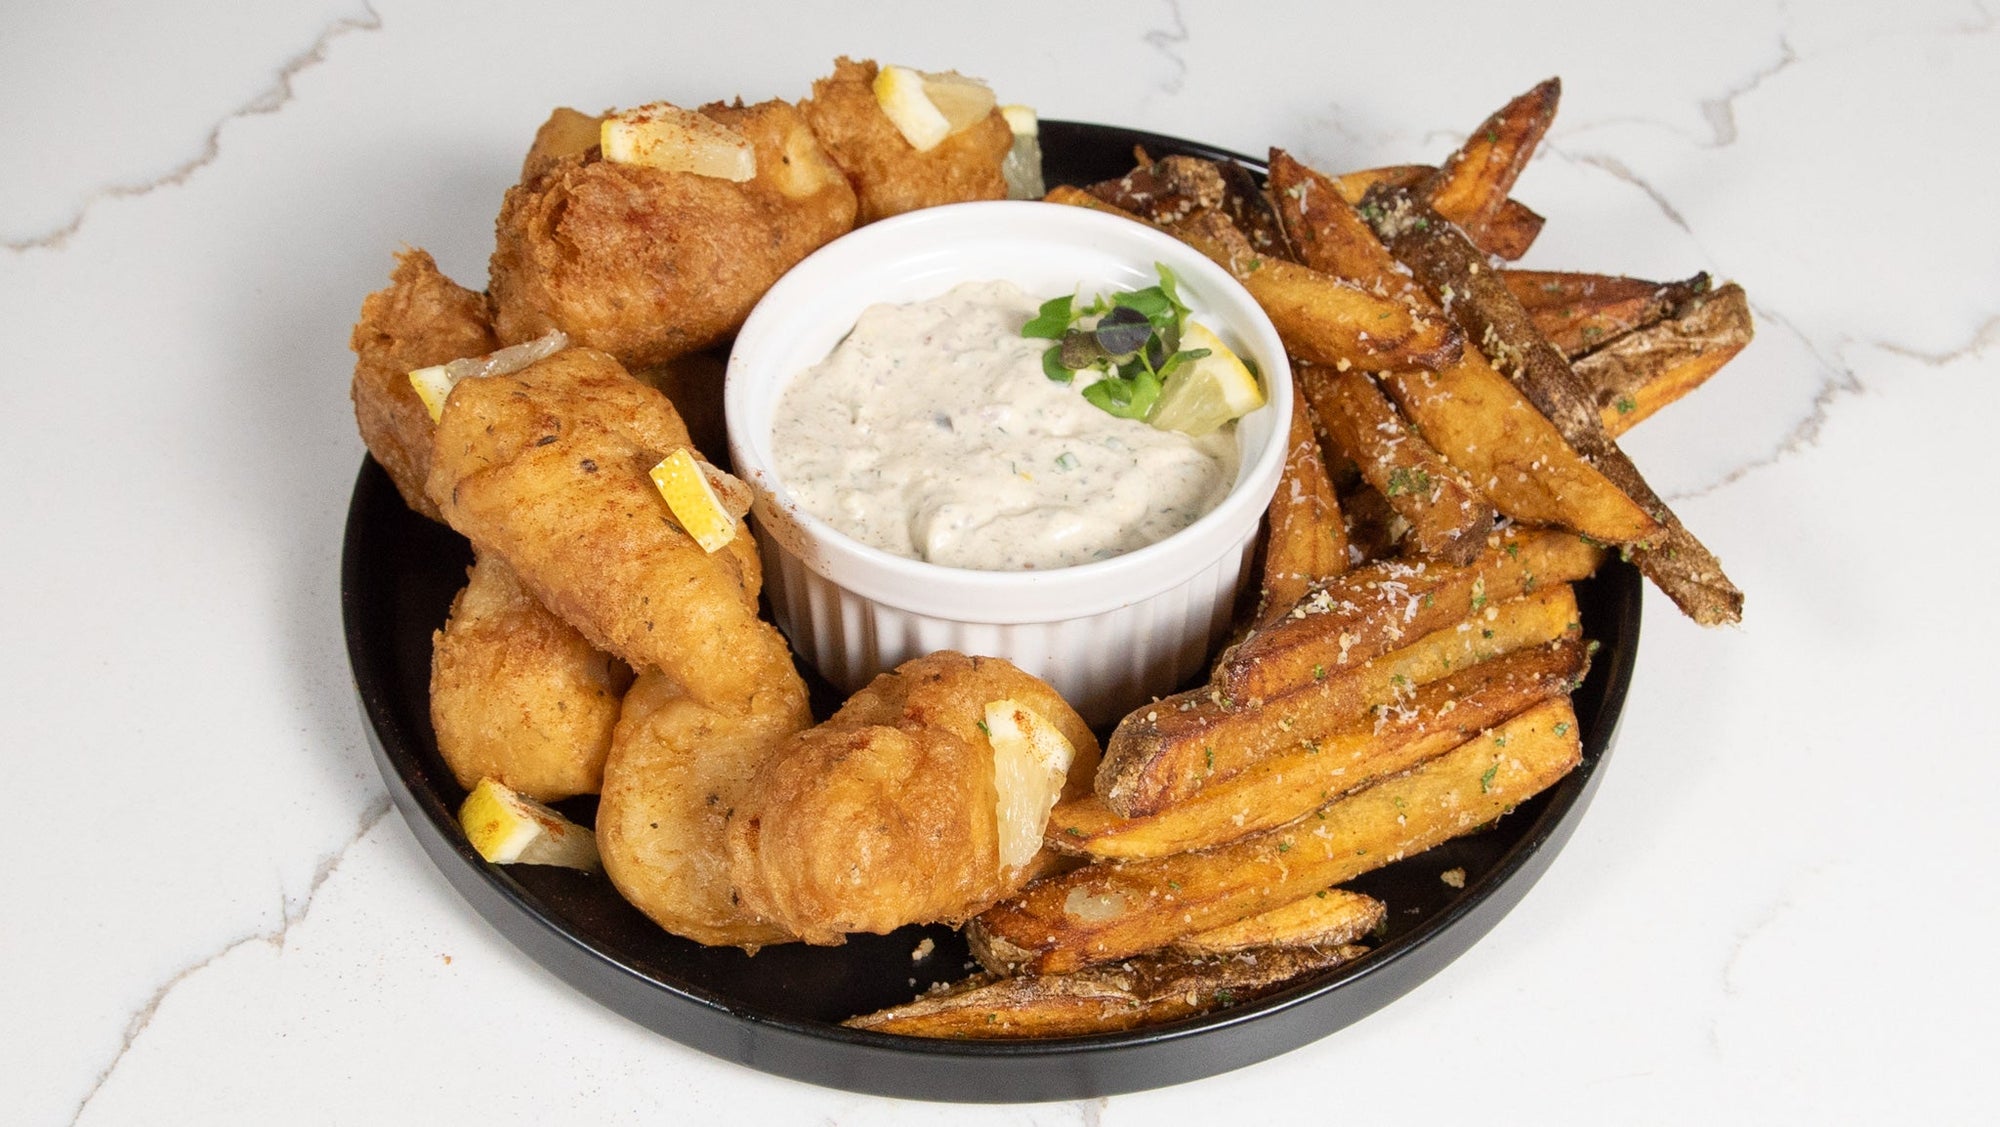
{"x": 931, "y": 432}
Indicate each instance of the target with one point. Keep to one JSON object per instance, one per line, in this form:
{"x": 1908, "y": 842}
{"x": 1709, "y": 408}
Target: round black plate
{"x": 779, "y": 1010}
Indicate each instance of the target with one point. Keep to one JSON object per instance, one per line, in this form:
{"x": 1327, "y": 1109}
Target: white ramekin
{"x": 1108, "y": 635}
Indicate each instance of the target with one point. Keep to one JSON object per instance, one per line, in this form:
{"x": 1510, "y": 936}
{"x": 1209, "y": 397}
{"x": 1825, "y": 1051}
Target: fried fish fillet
{"x": 547, "y": 470}
{"x": 422, "y": 318}
{"x": 517, "y": 694}
{"x": 677, "y": 769}
{"x": 887, "y": 814}
{"x": 888, "y": 174}
{"x": 648, "y": 264}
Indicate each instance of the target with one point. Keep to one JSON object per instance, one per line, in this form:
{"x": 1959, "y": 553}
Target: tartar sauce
{"x": 932, "y": 432}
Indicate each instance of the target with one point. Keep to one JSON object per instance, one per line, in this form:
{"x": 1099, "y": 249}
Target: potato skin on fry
{"x": 1162, "y": 754}
{"x": 1636, "y": 374}
{"x": 889, "y": 176}
{"x": 1113, "y": 910}
{"x": 885, "y": 815}
{"x": 1146, "y": 990}
{"x": 517, "y": 694}
{"x": 647, "y": 264}
{"x": 422, "y": 318}
{"x": 1304, "y": 767}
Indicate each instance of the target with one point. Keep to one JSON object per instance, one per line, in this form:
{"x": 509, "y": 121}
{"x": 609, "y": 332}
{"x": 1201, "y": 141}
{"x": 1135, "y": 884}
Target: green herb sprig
{"x": 1133, "y": 337}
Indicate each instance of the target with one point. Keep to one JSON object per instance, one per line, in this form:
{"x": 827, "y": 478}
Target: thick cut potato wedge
{"x": 1469, "y": 413}
{"x": 1147, "y": 990}
{"x": 1171, "y": 749}
{"x": 1457, "y": 276}
{"x": 1307, "y": 539}
{"x": 1323, "y": 319}
{"x": 1378, "y": 608}
{"x": 1448, "y": 517}
{"x": 1470, "y": 188}
{"x": 1636, "y": 374}
{"x": 1507, "y": 233}
{"x": 1331, "y": 917}
{"x": 1314, "y": 767}
{"x": 1167, "y": 190}
{"x": 1329, "y": 236}
{"x": 1580, "y": 312}
{"x": 1481, "y": 423}
{"x": 1114, "y": 910}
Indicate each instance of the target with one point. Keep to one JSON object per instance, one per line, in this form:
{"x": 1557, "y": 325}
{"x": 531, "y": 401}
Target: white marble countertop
{"x": 1769, "y": 913}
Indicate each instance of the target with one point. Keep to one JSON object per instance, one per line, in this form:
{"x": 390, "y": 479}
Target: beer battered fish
{"x": 648, "y": 264}
{"x": 547, "y": 470}
{"x": 677, "y": 769}
{"x": 422, "y": 318}
{"x": 886, "y": 814}
{"x": 517, "y": 694}
{"x": 888, "y": 174}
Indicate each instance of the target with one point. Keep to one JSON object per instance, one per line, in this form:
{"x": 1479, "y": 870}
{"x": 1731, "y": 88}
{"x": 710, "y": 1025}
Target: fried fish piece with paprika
{"x": 677, "y": 768}
{"x": 899, "y": 808}
{"x": 548, "y": 469}
{"x": 517, "y": 694}
{"x": 649, "y": 264}
{"x": 422, "y": 318}
{"x": 889, "y": 175}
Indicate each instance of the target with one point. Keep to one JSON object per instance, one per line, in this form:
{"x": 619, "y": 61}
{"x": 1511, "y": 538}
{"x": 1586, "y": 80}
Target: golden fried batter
{"x": 885, "y": 814}
{"x": 547, "y": 470}
{"x": 517, "y": 694}
{"x": 423, "y": 318}
{"x": 889, "y": 175}
{"x": 647, "y": 264}
{"x": 694, "y": 383}
{"x": 677, "y": 769}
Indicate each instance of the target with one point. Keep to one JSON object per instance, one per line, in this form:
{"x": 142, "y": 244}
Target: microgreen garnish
{"x": 1132, "y": 337}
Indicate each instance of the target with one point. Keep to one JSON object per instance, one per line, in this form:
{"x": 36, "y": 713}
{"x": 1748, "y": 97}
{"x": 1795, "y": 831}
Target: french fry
{"x": 1455, "y": 274}
{"x": 1146, "y": 990}
{"x": 1248, "y": 205}
{"x": 1310, "y": 768}
{"x": 1331, "y": 917}
{"x": 1171, "y": 749}
{"x": 1375, "y": 609}
{"x": 1470, "y": 188}
{"x": 1307, "y": 539}
{"x": 1113, "y": 910}
{"x": 1636, "y": 374}
{"x": 1167, "y": 190}
{"x": 1323, "y": 319}
{"x": 1322, "y": 226}
{"x": 1480, "y": 422}
{"x": 1448, "y": 517}
{"x": 1469, "y": 413}
{"x": 1507, "y": 234}
{"x": 1580, "y": 312}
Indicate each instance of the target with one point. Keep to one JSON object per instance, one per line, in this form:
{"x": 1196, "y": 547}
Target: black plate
{"x": 779, "y": 1010}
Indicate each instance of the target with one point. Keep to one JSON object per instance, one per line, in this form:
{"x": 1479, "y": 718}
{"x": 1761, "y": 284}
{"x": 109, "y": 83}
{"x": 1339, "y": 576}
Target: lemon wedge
{"x": 664, "y": 136}
{"x": 705, "y": 502}
{"x": 928, "y": 107}
{"x": 509, "y": 828}
{"x": 434, "y": 383}
{"x": 433, "y": 386}
{"x": 1022, "y": 167}
{"x": 1201, "y": 395}
{"x": 1031, "y": 759}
